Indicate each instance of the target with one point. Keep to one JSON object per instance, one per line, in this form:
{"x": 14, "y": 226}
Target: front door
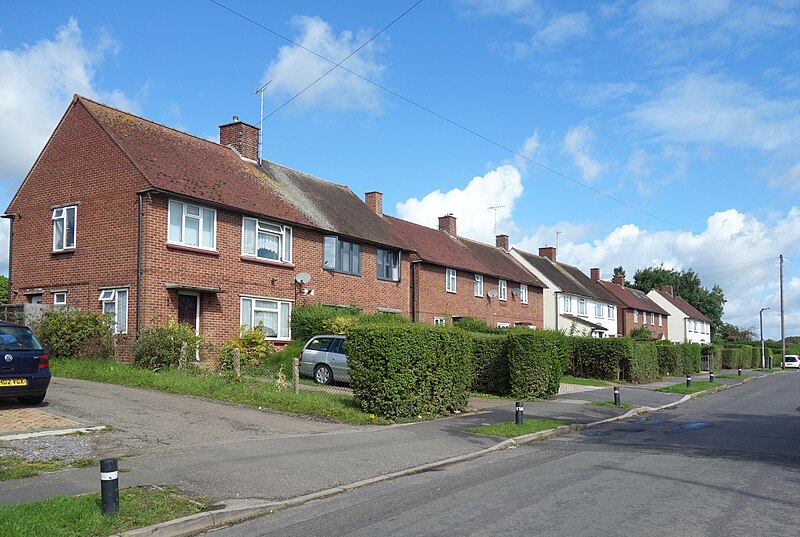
{"x": 189, "y": 310}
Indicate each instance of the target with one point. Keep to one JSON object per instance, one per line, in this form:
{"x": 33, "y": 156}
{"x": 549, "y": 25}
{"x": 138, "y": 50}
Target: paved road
{"x": 722, "y": 465}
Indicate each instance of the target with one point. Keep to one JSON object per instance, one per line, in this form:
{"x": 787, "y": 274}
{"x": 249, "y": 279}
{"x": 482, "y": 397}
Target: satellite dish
{"x": 515, "y": 292}
{"x": 303, "y": 278}
{"x": 492, "y": 294}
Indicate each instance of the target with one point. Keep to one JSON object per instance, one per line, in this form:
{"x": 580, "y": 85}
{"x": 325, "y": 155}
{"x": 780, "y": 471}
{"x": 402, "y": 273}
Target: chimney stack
{"x": 549, "y": 252}
{"x": 619, "y": 279}
{"x": 447, "y": 223}
{"x": 241, "y": 136}
{"x": 594, "y": 274}
{"x": 374, "y": 201}
{"x": 502, "y": 241}
{"x": 668, "y": 289}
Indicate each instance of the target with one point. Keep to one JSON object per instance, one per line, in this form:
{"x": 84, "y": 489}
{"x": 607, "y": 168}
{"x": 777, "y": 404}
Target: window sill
{"x": 266, "y": 262}
{"x": 341, "y": 272}
{"x": 65, "y": 251}
{"x": 181, "y": 248}
{"x": 387, "y": 280}
{"x": 451, "y": 292}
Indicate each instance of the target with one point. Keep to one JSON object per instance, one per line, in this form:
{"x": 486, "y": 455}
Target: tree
{"x": 619, "y": 271}
{"x": 3, "y": 289}
{"x": 688, "y": 286}
{"x": 735, "y": 334}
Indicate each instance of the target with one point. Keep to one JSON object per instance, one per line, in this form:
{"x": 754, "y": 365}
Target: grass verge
{"x": 697, "y": 386}
{"x": 611, "y": 404}
{"x": 730, "y": 376}
{"x": 336, "y": 407}
{"x": 585, "y": 382}
{"x": 511, "y": 430}
{"x": 16, "y": 467}
{"x": 81, "y": 515}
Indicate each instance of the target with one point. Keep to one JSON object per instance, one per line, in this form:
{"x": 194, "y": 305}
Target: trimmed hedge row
{"x": 490, "y": 372}
{"x": 669, "y": 358}
{"x": 691, "y": 354}
{"x": 405, "y": 371}
{"x": 642, "y": 366}
{"x": 537, "y": 360}
{"x": 309, "y": 321}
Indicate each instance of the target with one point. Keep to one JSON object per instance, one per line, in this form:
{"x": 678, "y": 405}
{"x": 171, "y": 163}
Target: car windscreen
{"x": 18, "y": 338}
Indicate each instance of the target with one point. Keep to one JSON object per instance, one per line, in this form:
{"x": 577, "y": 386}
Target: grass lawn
{"x": 611, "y": 404}
{"x": 585, "y": 382}
{"x": 82, "y": 515}
{"x": 510, "y": 429}
{"x": 697, "y": 386}
{"x": 336, "y": 407}
{"x": 733, "y": 376}
{"x": 15, "y": 467}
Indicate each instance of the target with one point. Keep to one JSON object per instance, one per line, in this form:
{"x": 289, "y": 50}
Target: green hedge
{"x": 642, "y": 367}
{"x": 690, "y": 355}
{"x": 537, "y": 361}
{"x": 669, "y": 359}
{"x": 309, "y": 321}
{"x": 405, "y": 371}
{"x": 73, "y": 333}
{"x": 490, "y": 372}
{"x": 730, "y": 358}
{"x": 471, "y": 324}
{"x": 599, "y": 358}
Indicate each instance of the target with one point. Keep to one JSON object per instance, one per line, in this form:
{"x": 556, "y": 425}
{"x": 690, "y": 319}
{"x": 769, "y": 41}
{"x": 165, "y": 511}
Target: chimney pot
{"x": 502, "y": 241}
{"x": 243, "y": 137}
{"x": 668, "y": 289}
{"x": 619, "y": 279}
{"x": 594, "y": 274}
{"x": 447, "y": 223}
{"x": 374, "y": 201}
{"x": 549, "y": 252}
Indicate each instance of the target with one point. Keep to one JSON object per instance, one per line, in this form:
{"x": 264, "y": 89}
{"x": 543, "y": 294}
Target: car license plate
{"x": 13, "y": 382}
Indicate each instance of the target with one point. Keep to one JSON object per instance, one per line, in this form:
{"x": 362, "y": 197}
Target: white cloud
{"x": 562, "y": 28}
{"x": 651, "y": 171}
{"x": 295, "y": 68}
{"x": 36, "y": 86}
{"x": 578, "y": 144}
{"x": 499, "y": 187}
{"x": 528, "y": 149}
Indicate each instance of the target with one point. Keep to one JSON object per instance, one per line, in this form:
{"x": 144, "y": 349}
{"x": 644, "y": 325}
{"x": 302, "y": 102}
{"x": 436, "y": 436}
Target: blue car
{"x": 24, "y": 365}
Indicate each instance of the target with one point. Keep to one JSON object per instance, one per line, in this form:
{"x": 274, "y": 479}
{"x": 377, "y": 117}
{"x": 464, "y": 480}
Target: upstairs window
{"x": 652, "y": 318}
{"x": 598, "y": 310}
{"x": 502, "y": 289}
{"x": 388, "y": 262}
{"x": 450, "y": 280}
{"x": 341, "y": 255}
{"x": 115, "y": 303}
{"x": 612, "y": 310}
{"x": 266, "y": 240}
{"x": 581, "y": 306}
{"x": 635, "y": 316}
{"x": 523, "y": 293}
{"x": 478, "y": 285}
{"x": 192, "y": 225}
{"x": 567, "y": 304}
{"x": 660, "y": 320}
{"x": 64, "y": 228}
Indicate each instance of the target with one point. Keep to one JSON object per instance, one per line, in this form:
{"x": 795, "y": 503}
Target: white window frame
{"x": 333, "y": 255}
{"x": 660, "y": 320}
{"x": 652, "y": 319}
{"x": 203, "y": 213}
{"x": 504, "y": 325}
{"x": 598, "y": 309}
{"x": 612, "y": 311}
{"x": 393, "y": 268}
{"x": 61, "y": 215}
{"x": 636, "y": 316}
{"x": 502, "y": 289}
{"x": 523, "y": 293}
{"x": 110, "y": 299}
{"x": 451, "y": 277}
{"x": 478, "y": 289}
{"x": 60, "y": 298}
{"x": 582, "y": 306}
{"x": 439, "y": 321}
{"x": 265, "y": 227}
{"x": 567, "y": 304}
{"x": 282, "y": 307}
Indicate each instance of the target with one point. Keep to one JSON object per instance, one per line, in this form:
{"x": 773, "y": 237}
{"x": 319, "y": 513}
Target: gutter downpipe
{"x": 414, "y": 265}
{"x": 139, "y": 269}
{"x": 555, "y": 295}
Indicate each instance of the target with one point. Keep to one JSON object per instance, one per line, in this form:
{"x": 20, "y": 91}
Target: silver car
{"x": 324, "y": 360}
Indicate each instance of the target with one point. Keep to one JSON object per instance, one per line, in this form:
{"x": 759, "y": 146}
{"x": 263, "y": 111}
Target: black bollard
{"x": 710, "y": 376}
{"x": 109, "y": 486}
{"x": 616, "y": 396}
{"x": 688, "y": 381}
{"x": 519, "y": 418}
{"x": 740, "y": 371}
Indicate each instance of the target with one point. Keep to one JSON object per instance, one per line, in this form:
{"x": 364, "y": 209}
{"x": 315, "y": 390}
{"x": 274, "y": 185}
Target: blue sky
{"x": 646, "y": 133}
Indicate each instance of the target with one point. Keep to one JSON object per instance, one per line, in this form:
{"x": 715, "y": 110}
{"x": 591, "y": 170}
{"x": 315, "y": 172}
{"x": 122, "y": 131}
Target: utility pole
{"x": 783, "y": 334}
{"x": 761, "y": 324}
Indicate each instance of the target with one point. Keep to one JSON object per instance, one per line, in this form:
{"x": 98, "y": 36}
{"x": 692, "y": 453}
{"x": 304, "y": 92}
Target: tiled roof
{"x": 440, "y": 248}
{"x": 178, "y": 163}
{"x": 684, "y": 306}
{"x": 632, "y": 298}
{"x": 568, "y": 278}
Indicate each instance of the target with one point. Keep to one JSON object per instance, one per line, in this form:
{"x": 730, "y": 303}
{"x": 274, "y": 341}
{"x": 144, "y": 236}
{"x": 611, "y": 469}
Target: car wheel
{"x": 32, "y": 399}
{"x": 323, "y": 374}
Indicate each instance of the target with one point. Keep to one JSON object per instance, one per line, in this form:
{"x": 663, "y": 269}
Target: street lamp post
{"x": 761, "y": 324}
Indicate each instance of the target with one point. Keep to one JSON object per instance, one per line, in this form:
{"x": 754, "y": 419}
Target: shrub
{"x": 470, "y": 324}
{"x": 409, "y": 370}
{"x": 490, "y": 372}
{"x": 642, "y": 366}
{"x": 690, "y": 355}
{"x": 600, "y": 358}
{"x": 338, "y": 325}
{"x": 715, "y": 356}
{"x": 730, "y": 358}
{"x": 253, "y": 348}
{"x": 160, "y": 347}
{"x": 537, "y": 361}
{"x": 307, "y": 321}
{"x": 641, "y": 334}
{"x": 383, "y": 318}
{"x": 76, "y": 333}
{"x": 669, "y": 358}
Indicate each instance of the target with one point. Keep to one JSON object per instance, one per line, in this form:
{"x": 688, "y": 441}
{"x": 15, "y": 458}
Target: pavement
{"x": 251, "y": 462}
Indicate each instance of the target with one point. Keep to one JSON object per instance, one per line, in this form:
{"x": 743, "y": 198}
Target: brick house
{"x": 636, "y": 309}
{"x": 454, "y": 277}
{"x": 686, "y": 323}
{"x": 123, "y": 215}
{"x": 574, "y": 303}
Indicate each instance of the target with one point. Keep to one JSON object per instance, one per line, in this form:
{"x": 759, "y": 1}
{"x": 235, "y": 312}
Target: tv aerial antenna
{"x": 260, "y": 92}
{"x": 494, "y": 208}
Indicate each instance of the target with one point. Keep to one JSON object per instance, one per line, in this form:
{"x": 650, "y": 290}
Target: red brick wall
{"x": 625, "y": 324}
{"x": 434, "y": 301}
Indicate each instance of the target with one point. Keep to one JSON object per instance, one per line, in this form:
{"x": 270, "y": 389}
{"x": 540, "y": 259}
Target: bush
{"x": 641, "y": 334}
{"x": 307, "y": 321}
{"x": 690, "y": 355}
{"x": 253, "y": 348}
{"x": 160, "y": 347}
{"x": 715, "y": 355}
{"x": 669, "y": 358}
{"x": 730, "y": 357}
{"x": 490, "y": 372}
{"x": 537, "y": 361}
{"x": 408, "y": 370}
{"x": 382, "y": 318}
{"x": 600, "y": 358}
{"x": 471, "y": 324}
{"x": 72, "y": 333}
{"x": 337, "y": 325}
{"x": 642, "y": 367}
